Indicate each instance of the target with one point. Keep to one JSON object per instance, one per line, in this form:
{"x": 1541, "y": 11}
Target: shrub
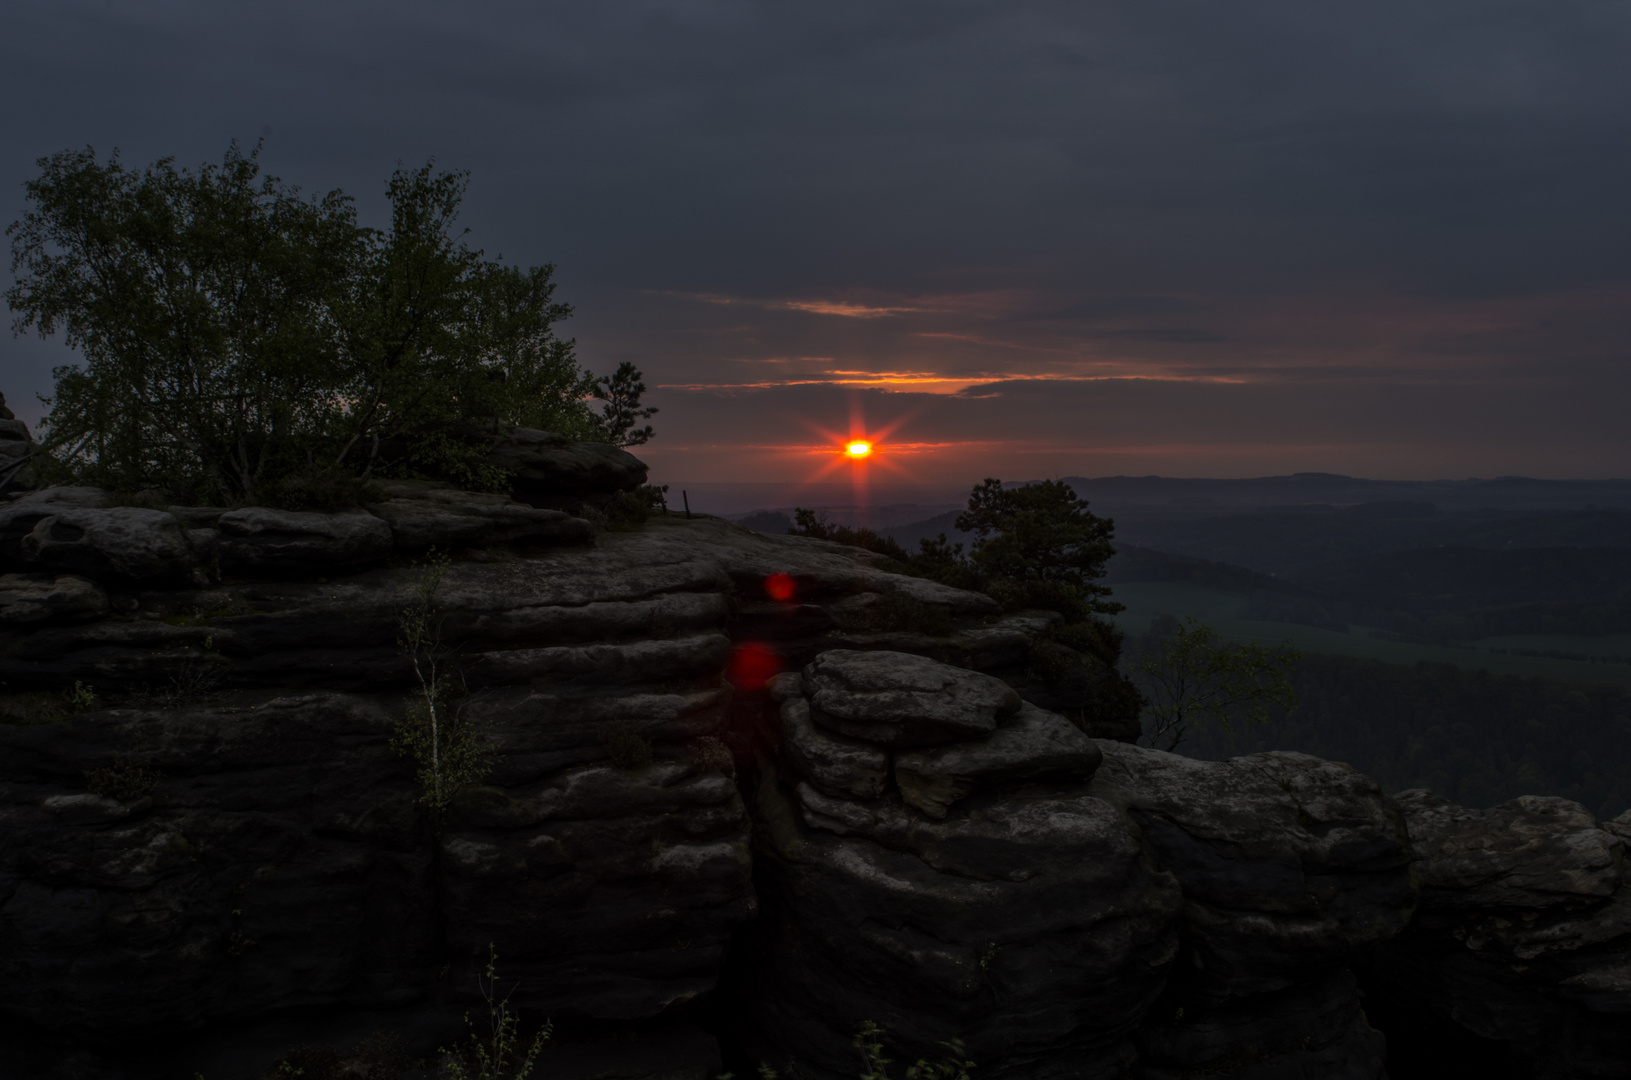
{"x": 378, "y": 1058}
{"x": 36, "y": 707}
{"x": 126, "y": 779}
{"x": 500, "y": 1053}
{"x": 712, "y": 754}
{"x": 45, "y": 707}
{"x": 815, "y": 524}
{"x": 874, "y": 1066}
{"x": 627, "y": 747}
{"x": 897, "y": 611}
{"x": 267, "y": 335}
{"x": 435, "y": 733}
{"x": 627, "y": 510}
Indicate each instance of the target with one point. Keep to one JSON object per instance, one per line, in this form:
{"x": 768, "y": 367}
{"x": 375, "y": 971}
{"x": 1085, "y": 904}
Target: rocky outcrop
{"x": 122, "y": 545}
{"x": 423, "y": 515}
{"x": 551, "y": 470}
{"x": 244, "y": 694}
{"x": 994, "y": 885}
{"x": 725, "y": 771}
{"x": 16, "y": 451}
{"x": 1524, "y": 931}
{"x": 1291, "y": 867}
{"x": 26, "y": 598}
{"x": 262, "y": 542}
{"x": 275, "y": 859}
{"x": 256, "y": 845}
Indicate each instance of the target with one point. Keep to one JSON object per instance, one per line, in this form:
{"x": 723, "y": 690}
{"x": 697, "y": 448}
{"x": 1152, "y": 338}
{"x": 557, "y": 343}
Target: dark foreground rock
{"x": 769, "y": 786}
{"x": 1008, "y": 889}
{"x": 550, "y": 470}
{"x": 1291, "y": 867}
{"x": 1524, "y": 933}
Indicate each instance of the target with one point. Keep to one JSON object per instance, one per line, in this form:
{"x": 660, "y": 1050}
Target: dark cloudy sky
{"x": 1186, "y": 237}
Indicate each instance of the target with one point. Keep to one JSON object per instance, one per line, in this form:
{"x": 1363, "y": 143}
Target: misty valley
{"x": 1469, "y": 637}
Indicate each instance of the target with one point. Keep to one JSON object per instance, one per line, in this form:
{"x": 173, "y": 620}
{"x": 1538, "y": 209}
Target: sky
{"x": 1015, "y": 239}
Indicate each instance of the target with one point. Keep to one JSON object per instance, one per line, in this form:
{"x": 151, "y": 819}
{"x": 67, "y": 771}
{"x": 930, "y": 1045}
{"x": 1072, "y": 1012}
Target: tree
{"x": 435, "y": 732}
{"x": 621, "y": 392}
{"x": 1195, "y": 677}
{"x": 1043, "y": 537}
{"x": 233, "y": 332}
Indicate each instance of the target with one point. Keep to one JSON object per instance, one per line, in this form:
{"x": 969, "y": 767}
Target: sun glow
{"x": 859, "y": 448}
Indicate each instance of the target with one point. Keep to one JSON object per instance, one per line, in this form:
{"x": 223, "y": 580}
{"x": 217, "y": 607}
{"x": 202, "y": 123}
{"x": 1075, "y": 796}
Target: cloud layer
{"x": 1029, "y": 238}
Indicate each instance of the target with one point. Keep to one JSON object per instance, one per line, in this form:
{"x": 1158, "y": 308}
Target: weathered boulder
{"x": 1033, "y": 744}
{"x": 1026, "y": 920}
{"x": 20, "y": 513}
{"x": 898, "y": 699}
{"x": 549, "y": 469}
{"x": 1523, "y": 933}
{"x": 26, "y": 598}
{"x": 260, "y": 540}
{"x": 423, "y": 515}
{"x": 1036, "y": 930}
{"x": 125, "y": 544}
{"x": 1291, "y": 867}
{"x": 1534, "y": 852}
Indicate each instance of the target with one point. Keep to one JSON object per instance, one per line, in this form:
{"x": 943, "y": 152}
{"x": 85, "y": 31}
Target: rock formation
{"x": 1524, "y": 933}
{"x": 975, "y": 893}
{"x": 765, "y": 784}
{"x": 16, "y": 451}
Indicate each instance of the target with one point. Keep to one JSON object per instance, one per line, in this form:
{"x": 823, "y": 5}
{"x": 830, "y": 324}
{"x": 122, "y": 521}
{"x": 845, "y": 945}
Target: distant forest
{"x": 1474, "y": 737}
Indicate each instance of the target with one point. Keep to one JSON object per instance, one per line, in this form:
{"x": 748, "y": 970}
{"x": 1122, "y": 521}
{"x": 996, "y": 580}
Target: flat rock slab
{"x": 1288, "y": 863}
{"x": 903, "y": 700}
{"x": 423, "y": 516}
{"x": 122, "y": 543}
{"x": 1533, "y": 852}
{"x": 1034, "y": 744}
{"x": 260, "y": 539}
{"x": 26, "y": 598}
{"x": 547, "y": 466}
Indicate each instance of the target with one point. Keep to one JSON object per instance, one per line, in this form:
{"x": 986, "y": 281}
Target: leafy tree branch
{"x": 435, "y": 733}
{"x": 1194, "y": 678}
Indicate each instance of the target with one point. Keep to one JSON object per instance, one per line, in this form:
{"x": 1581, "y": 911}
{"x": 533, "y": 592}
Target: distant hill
{"x": 908, "y": 535}
{"x": 1291, "y": 541}
{"x": 1116, "y": 494}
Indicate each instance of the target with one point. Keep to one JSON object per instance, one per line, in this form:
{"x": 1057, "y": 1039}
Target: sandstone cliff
{"x": 847, "y": 800}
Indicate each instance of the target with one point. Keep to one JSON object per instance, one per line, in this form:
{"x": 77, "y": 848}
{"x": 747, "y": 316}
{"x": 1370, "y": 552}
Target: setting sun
{"x": 858, "y": 449}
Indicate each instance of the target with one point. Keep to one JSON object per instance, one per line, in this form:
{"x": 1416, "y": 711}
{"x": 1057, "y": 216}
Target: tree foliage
{"x": 234, "y": 331}
{"x": 621, "y": 414}
{"x": 1040, "y": 534}
{"x": 1193, "y": 677}
{"x": 501, "y": 1053}
{"x": 435, "y": 733}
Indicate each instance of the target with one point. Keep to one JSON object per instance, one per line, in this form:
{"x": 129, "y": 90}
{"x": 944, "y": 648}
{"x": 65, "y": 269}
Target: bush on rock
{"x": 244, "y": 342}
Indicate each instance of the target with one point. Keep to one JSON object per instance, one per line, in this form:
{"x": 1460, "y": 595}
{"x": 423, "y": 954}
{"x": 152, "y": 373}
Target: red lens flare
{"x": 752, "y": 665}
{"x": 780, "y": 587}
{"x": 858, "y": 448}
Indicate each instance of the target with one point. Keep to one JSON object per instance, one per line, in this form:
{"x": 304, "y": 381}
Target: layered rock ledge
{"x": 769, "y": 779}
